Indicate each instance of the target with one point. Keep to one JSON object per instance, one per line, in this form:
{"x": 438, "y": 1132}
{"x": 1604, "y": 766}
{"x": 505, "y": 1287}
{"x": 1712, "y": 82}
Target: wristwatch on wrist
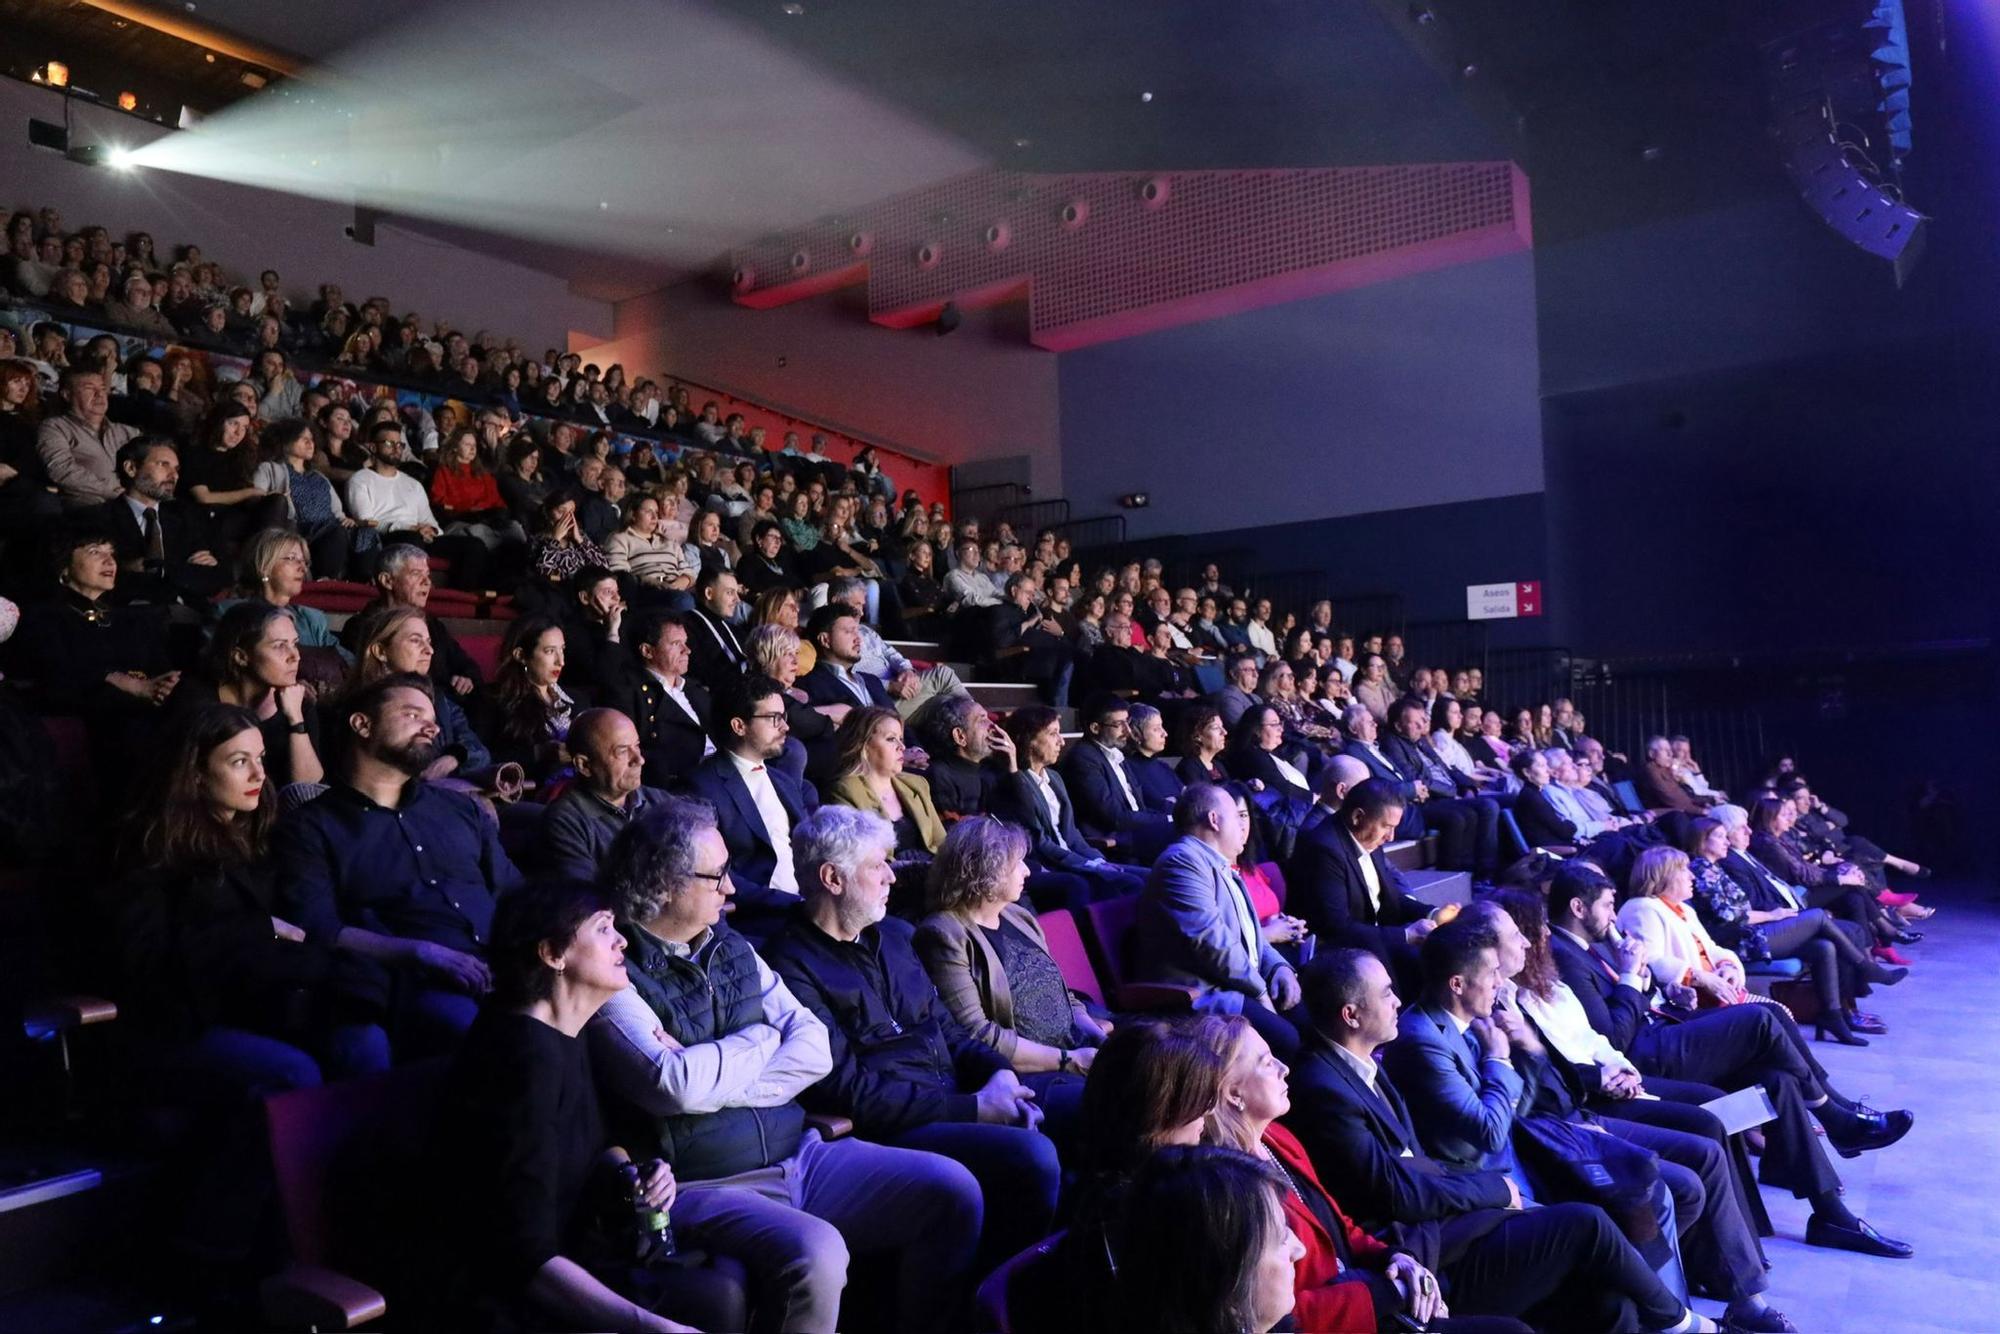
{"x": 298, "y": 728}
{"x": 1066, "y": 1062}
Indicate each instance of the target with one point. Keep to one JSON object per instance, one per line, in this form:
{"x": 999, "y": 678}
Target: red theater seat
{"x": 484, "y": 650}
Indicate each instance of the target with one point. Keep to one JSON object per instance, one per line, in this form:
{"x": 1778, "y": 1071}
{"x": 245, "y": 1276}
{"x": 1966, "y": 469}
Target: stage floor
{"x": 1939, "y": 1189}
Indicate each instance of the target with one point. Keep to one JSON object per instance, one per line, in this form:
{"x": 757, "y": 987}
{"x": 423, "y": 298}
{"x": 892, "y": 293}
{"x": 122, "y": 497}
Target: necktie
{"x": 156, "y": 544}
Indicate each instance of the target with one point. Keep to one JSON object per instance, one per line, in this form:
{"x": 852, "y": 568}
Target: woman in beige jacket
{"x": 986, "y": 955}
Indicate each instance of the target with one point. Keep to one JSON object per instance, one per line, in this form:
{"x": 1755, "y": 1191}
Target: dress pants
{"x": 794, "y": 1224}
{"x": 1562, "y": 1267}
{"x": 1718, "y": 1242}
{"x": 1741, "y": 1045}
{"x": 1677, "y": 1105}
{"x": 1468, "y": 831}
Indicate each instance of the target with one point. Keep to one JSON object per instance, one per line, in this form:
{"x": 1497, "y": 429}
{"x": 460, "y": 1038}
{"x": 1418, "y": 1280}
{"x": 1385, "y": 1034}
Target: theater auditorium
{"x": 1149, "y": 666}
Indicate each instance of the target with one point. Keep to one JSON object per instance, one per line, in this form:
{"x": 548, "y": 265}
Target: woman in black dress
{"x": 540, "y": 1222}
{"x": 219, "y": 475}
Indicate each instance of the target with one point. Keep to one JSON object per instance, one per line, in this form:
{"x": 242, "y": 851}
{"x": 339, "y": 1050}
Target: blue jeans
{"x": 424, "y": 1022}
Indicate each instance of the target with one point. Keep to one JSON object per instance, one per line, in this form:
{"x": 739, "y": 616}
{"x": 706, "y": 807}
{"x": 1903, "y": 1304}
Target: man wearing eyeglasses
{"x": 757, "y": 804}
{"x": 384, "y": 497}
{"x": 704, "y": 1057}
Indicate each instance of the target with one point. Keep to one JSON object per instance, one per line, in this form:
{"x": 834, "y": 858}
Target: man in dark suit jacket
{"x": 593, "y": 617}
{"x": 835, "y": 631}
{"x": 1025, "y": 645}
{"x": 757, "y": 805}
{"x": 1564, "y": 1265}
{"x": 1108, "y": 807}
{"x": 716, "y": 649}
{"x": 179, "y": 566}
{"x": 650, "y": 685}
{"x": 1468, "y": 826}
{"x": 1731, "y": 1048}
{"x": 1347, "y": 891}
{"x": 1364, "y": 745}
{"x": 1472, "y": 1064}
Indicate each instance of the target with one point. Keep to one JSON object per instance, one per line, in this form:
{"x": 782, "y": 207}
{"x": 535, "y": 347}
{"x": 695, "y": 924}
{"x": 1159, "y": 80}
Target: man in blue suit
{"x": 835, "y": 631}
{"x": 1563, "y": 1266}
{"x": 1363, "y": 745}
{"x": 1196, "y": 927}
{"x": 757, "y": 805}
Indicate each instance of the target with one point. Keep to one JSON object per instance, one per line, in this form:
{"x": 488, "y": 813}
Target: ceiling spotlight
{"x": 119, "y": 158}
{"x": 1145, "y": 97}
{"x": 128, "y": 101}
{"x": 57, "y": 74}
{"x": 1023, "y": 142}
{"x": 209, "y": 56}
{"x": 1137, "y": 500}
{"x": 794, "y": 9}
{"x": 1469, "y": 70}
{"x": 1652, "y": 153}
{"x": 1423, "y": 14}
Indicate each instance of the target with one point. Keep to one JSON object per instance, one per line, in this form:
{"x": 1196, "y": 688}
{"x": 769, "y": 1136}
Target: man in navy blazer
{"x": 1731, "y": 1048}
{"x": 1196, "y": 927}
{"x": 649, "y": 683}
{"x": 1562, "y": 1266}
{"x": 1345, "y": 888}
{"x": 835, "y": 631}
{"x": 1109, "y": 808}
{"x": 1468, "y": 826}
{"x": 757, "y": 805}
{"x": 1362, "y": 744}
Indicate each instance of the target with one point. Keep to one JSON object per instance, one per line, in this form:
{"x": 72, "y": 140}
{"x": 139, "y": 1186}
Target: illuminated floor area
{"x": 1939, "y": 1189}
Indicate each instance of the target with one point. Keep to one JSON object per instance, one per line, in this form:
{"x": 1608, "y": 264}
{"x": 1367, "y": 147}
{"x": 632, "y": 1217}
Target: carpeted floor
{"x": 1939, "y": 1189}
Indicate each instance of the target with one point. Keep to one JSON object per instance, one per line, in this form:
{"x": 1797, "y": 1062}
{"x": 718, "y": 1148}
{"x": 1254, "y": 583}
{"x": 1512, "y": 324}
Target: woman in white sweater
{"x": 1678, "y": 947}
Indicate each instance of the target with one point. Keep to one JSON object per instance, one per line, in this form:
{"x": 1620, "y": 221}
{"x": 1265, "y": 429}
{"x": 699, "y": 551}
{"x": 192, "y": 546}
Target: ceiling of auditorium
{"x": 1036, "y": 85}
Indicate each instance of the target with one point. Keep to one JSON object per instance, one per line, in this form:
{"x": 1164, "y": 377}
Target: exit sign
{"x": 1503, "y": 602}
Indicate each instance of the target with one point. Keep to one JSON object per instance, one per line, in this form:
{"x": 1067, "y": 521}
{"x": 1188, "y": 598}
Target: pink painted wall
{"x": 247, "y": 229}
{"x": 982, "y": 393}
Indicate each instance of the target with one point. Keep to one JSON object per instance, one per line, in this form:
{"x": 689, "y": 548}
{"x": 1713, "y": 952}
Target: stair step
{"x": 1004, "y": 694}
{"x": 1438, "y": 888}
{"x": 930, "y": 650}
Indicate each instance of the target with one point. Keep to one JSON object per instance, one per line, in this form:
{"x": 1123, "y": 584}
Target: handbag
{"x": 1570, "y": 1161}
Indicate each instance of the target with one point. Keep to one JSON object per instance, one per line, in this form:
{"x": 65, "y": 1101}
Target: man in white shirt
{"x": 969, "y": 585}
{"x": 384, "y": 497}
{"x": 757, "y": 804}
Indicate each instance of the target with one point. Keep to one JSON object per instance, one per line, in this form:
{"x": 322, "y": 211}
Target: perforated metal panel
{"x": 1106, "y": 256}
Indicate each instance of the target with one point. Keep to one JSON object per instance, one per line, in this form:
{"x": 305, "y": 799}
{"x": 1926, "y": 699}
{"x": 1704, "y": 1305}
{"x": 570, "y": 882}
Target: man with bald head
{"x": 1347, "y": 891}
{"x": 1337, "y": 778}
{"x": 576, "y": 832}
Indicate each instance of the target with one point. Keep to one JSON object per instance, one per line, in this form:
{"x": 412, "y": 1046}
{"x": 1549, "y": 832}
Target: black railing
{"x": 1029, "y": 517}
{"x": 977, "y": 502}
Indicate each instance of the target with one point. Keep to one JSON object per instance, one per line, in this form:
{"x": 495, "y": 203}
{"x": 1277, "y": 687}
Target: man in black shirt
{"x": 906, "y": 1071}
{"x": 401, "y": 877}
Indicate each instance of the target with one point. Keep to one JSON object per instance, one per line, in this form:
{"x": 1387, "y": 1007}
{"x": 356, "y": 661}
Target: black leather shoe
{"x": 1861, "y": 1021}
{"x": 1907, "y": 937}
{"x": 1873, "y": 1130}
{"x": 1860, "y": 1238}
{"x": 1769, "y": 1320}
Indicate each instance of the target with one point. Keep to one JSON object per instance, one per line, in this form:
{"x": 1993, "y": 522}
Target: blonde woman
{"x": 868, "y": 759}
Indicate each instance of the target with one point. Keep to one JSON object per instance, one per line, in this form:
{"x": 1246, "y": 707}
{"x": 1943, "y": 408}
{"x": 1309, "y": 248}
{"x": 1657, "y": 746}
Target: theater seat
{"x": 1111, "y": 927}
{"x": 484, "y": 650}
{"x": 329, "y": 1144}
{"x": 1072, "y": 958}
{"x": 1025, "y": 1293}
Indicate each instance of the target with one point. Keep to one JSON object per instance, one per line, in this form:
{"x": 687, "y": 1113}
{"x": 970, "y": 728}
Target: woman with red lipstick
{"x": 217, "y": 989}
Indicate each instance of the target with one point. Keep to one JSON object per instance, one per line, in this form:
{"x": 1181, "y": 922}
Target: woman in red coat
{"x": 1349, "y": 1282}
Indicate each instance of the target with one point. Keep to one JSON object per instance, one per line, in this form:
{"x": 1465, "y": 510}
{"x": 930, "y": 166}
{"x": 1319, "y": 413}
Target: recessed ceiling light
{"x": 1022, "y": 142}
{"x": 1145, "y": 97}
{"x": 794, "y": 8}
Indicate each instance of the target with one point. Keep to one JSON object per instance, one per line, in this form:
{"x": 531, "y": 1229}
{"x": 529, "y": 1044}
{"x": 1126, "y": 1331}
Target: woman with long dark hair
{"x": 219, "y": 475}
{"x": 313, "y": 503}
{"x": 524, "y": 712}
{"x": 218, "y": 987}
